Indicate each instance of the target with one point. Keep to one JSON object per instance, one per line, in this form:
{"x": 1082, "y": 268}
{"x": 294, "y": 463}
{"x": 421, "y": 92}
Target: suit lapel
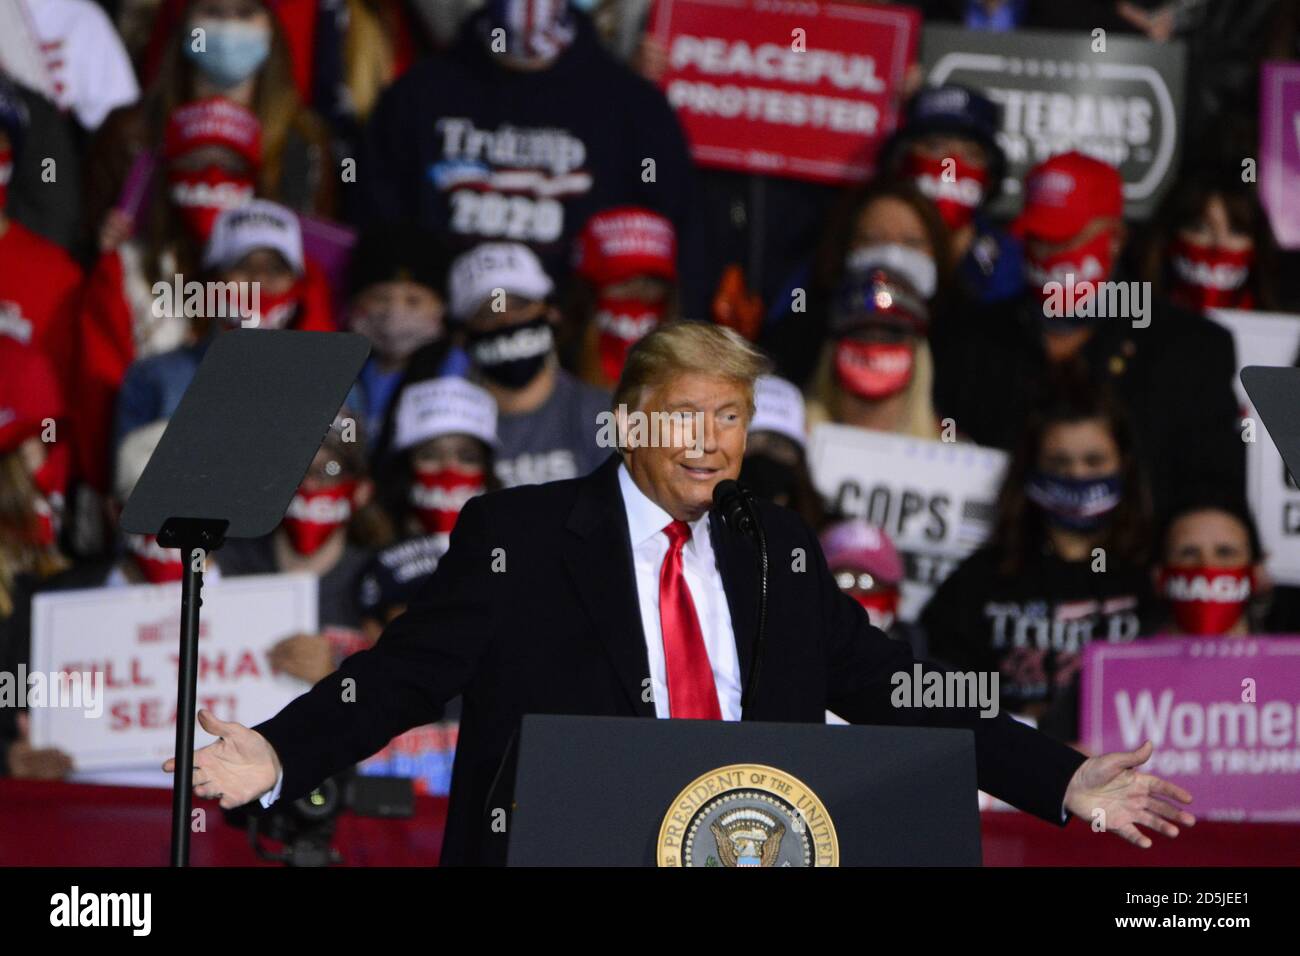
{"x": 738, "y": 564}
{"x": 598, "y": 555}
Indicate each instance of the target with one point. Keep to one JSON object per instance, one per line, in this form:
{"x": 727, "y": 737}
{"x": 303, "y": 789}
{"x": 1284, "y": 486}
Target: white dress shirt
{"x": 645, "y": 524}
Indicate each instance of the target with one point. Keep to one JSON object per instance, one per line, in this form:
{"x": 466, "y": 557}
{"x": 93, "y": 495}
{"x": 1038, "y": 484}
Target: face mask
{"x": 158, "y": 565}
{"x": 1079, "y": 504}
{"x": 881, "y": 606}
{"x": 6, "y": 174}
{"x": 533, "y": 29}
{"x": 314, "y": 515}
{"x": 766, "y": 477}
{"x": 512, "y": 356}
{"x": 437, "y": 496}
{"x": 200, "y": 196}
{"x": 397, "y": 333}
{"x": 1088, "y": 264}
{"x": 1207, "y": 601}
{"x": 873, "y": 370}
{"x": 956, "y": 194}
{"x": 232, "y": 51}
{"x": 621, "y": 323}
{"x": 912, "y": 264}
{"x": 273, "y": 311}
{"x": 1207, "y": 277}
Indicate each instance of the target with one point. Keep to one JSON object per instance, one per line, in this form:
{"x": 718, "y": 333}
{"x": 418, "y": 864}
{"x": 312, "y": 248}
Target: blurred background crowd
{"x": 483, "y": 214}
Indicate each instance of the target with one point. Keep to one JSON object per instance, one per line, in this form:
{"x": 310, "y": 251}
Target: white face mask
{"x": 912, "y": 264}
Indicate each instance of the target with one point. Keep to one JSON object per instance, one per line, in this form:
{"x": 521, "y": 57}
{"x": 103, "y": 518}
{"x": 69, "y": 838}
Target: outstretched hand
{"x": 240, "y": 766}
{"x": 1110, "y": 784}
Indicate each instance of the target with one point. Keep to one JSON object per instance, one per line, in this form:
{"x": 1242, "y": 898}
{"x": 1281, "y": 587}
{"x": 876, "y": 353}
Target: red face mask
{"x": 1207, "y": 277}
{"x": 956, "y": 194}
{"x": 1207, "y": 601}
{"x": 273, "y": 311}
{"x": 622, "y": 323}
{"x": 200, "y": 196}
{"x": 881, "y": 606}
{"x": 6, "y": 174}
{"x": 437, "y": 496}
{"x": 314, "y": 515}
{"x": 873, "y": 370}
{"x": 158, "y": 565}
{"x": 1089, "y": 263}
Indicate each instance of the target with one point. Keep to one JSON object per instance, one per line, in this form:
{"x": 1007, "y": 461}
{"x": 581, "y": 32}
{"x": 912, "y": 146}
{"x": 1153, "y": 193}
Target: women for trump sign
{"x": 1223, "y": 715}
{"x": 795, "y": 88}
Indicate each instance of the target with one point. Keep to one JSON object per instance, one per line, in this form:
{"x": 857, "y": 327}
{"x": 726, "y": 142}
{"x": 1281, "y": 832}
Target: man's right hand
{"x": 240, "y": 766}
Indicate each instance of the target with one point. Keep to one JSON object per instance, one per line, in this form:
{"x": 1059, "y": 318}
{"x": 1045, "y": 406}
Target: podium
{"x": 618, "y": 791}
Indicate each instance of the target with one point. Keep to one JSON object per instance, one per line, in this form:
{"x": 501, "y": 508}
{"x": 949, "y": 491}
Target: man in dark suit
{"x": 623, "y": 594}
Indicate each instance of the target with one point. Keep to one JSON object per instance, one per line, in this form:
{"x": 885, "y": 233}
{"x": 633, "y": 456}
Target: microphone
{"x": 736, "y": 506}
{"x": 733, "y": 504}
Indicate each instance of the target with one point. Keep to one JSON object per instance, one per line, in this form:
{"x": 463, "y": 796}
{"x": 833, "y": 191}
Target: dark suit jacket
{"x": 534, "y": 610}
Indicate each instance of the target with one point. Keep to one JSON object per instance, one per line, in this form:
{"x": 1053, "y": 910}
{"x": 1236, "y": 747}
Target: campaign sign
{"x": 1058, "y": 93}
{"x": 1279, "y": 149}
{"x": 934, "y": 499}
{"x": 803, "y": 89}
{"x": 1222, "y": 714}
{"x": 128, "y": 640}
{"x": 1264, "y": 338}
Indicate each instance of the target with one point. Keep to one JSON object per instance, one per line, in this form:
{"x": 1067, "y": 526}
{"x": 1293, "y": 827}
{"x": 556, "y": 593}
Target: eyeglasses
{"x": 847, "y": 581}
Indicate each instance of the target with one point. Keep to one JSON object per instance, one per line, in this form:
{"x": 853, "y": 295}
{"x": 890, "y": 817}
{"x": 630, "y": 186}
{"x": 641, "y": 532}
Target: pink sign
{"x": 1222, "y": 713}
{"x": 1279, "y": 149}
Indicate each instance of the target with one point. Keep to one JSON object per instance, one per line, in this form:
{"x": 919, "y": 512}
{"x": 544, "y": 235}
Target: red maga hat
{"x": 1063, "y": 194}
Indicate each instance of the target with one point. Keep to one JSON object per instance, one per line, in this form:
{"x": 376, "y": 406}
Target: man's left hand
{"x": 1110, "y": 783}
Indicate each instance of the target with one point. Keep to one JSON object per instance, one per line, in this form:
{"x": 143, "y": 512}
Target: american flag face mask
{"x": 534, "y": 29}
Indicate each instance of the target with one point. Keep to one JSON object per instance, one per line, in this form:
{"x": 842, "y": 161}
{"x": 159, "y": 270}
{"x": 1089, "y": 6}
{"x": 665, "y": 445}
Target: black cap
{"x": 395, "y": 252}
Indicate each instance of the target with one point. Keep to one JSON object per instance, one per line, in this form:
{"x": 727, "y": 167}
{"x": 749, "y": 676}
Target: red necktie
{"x": 691, "y": 691}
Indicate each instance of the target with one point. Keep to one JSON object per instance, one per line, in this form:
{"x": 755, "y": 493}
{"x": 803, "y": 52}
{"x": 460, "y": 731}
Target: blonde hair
{"x": 676, "y": 347}
{"x": 918, "y": 417}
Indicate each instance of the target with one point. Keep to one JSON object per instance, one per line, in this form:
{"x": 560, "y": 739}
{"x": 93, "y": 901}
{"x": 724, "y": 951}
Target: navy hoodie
{"x": 479, "y": 152}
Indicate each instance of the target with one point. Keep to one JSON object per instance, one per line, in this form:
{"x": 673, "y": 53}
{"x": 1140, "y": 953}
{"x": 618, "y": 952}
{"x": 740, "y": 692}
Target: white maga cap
{"x": 444, "y": 406}
{"x": 778, "y": 407}
{"x": 476, "y": 275}
{"x": 258, "y": 224}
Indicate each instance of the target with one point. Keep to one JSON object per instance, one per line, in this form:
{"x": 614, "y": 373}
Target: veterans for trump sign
{"x": 796, "y": 88}
{"x": 1115, "y": 98}
{"x": 1222, "y": 714}
{"x": 934, "y": 499}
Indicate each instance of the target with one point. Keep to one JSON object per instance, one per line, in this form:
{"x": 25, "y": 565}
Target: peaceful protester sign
{"x": 1123, "y": 105}
{"x": 803, "y": 89}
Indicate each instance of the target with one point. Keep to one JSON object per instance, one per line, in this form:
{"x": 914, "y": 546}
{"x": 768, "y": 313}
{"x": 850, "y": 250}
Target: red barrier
{"x": 64, "y": 824}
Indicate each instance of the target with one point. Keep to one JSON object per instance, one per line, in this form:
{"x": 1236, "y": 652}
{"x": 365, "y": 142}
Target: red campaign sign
{"x": 794, "y": 88}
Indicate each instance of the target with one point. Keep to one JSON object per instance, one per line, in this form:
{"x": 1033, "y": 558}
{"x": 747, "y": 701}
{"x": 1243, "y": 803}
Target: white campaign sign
{"x": 1268, "y": 338}
{"x": 934, "y": 499}
{"x": 130, "y": 635}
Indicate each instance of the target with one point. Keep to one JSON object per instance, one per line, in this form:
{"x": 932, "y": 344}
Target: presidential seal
{"x": 747, "y": 815}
